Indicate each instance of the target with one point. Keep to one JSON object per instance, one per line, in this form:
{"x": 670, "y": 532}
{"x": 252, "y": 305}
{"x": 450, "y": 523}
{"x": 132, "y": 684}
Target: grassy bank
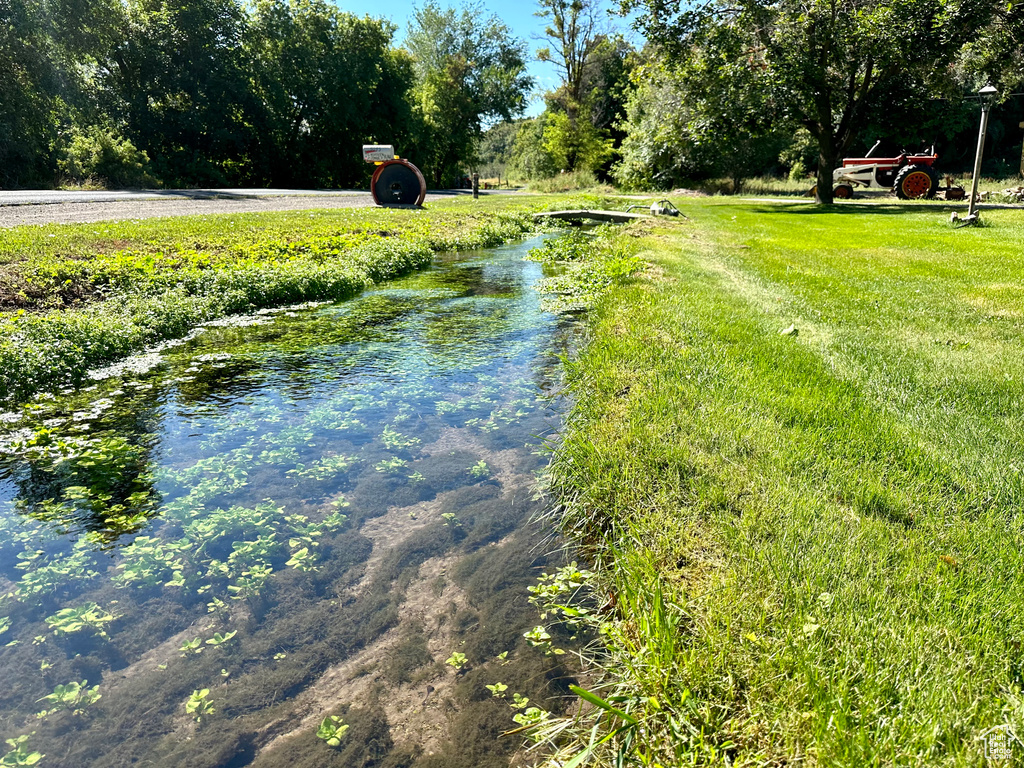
{"x": 809, "y": 544}
{"x": 73, "y": 297}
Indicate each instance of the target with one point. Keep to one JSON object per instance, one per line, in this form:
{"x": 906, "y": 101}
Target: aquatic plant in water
{"x": 302, "y": 560}
{"x": 538, "y": 637}
{"x": 592, "y": 265}
{"x": 391, "y": 466}
{"x": 555, "y": 595}
{"x": 574, "y": 245}
{"x": 394, "y": 440}
{"x": 45, "y": 579}
{"x": 211, "y": 459}
{"x": 456, "y": 660}
{"x": 19, "y": 754}
{"x": 250, "y": 582}
{"x": 193, "y": 646}
{"x": 530, "y": 718}
{"x": 219, "y": 639}
{"x": 198, "y": 705}
{"x": 96, "y": 482}
{"x": 148, "y": 561}
{"x": 324, "y": 469}
{"x": 75, "y": 697}
{"x": 69, "y": 620}
{"x": 331, "y": 730}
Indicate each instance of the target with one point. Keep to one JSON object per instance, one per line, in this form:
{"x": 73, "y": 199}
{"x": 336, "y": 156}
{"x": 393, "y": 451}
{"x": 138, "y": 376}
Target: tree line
{"x": 741, "y": 88}
{"x": 232, "y": 93}
{"x": 284, "y": 92}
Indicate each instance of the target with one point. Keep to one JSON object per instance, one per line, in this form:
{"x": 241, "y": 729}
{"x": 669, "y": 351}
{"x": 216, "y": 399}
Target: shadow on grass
{"x": 878, "y": 210}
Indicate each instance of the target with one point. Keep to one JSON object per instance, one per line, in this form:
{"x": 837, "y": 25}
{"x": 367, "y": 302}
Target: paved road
{"x": 65, "y": 207}
{"x": 51, "y": 197}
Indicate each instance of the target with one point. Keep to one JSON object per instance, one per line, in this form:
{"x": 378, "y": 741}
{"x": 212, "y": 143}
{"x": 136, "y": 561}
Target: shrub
{"x": 104, "y": 156}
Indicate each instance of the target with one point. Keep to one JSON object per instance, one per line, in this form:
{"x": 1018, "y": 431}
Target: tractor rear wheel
{"x": 915, "y": 181}
{"x": 843, "y": 191}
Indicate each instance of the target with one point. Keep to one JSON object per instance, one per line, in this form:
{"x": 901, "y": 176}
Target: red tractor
{"x": 909, "y": 176}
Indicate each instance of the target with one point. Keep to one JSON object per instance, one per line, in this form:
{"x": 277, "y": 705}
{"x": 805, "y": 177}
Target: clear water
{"x": 343, "y": 487}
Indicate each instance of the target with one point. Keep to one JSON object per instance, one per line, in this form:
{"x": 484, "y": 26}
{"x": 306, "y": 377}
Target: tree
{"x": 574, "y": 31}
{"x": 608, "y": 84}
{"x": 657, "y": 152}
{"x": 578, "y": 146}
{"x": 177, "y": 81}
{"x": 819, "y": 63}
{"x": 996, "y": 56}
{"x": 529, "y": 159}
{"x": 326, "y": 82}
{"x": 679, "y": 129}
{"x": 495, "y": 148}
{"x": 471, "y": 72}
{"x": 46, "y": 49}
{"x": 577, "y": 46}
{"x": 26, "y": 97}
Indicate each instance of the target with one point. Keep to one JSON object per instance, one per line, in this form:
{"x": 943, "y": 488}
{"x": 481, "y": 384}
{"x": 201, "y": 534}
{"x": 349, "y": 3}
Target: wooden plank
{"x": 615, "y": 216}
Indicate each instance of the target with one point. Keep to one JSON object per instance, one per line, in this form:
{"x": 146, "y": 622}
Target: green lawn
{"x": 835, "y": 516}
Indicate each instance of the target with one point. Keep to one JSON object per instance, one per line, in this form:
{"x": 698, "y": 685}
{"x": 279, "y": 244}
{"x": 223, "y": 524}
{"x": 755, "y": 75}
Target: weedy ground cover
{"x": 73, "y": 297}
{"x": 809, "y": 544}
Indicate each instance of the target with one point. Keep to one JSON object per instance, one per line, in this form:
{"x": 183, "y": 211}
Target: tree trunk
{"x": 828, "y": 159}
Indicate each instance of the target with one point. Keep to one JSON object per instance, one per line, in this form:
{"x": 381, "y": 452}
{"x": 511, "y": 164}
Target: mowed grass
{"x": 834, "y": 516}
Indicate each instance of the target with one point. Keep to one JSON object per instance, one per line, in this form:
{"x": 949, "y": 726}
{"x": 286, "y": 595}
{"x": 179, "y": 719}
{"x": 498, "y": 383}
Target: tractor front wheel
{"x": 843, "y": 192}
{"x": 915, "y": 181}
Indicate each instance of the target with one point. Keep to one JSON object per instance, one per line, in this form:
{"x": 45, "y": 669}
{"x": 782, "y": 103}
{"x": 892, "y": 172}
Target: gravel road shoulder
{"x": 86, "y": 212}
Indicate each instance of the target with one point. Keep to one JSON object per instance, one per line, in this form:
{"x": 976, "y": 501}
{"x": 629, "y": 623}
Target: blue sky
{"x": 517, "y": 15}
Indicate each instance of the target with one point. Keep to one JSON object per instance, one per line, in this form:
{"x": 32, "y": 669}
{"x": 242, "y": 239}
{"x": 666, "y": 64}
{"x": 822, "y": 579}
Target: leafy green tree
{"x": 495, "y": 148}
{"x": 529, "y": 159}
{"x": 819, "y": 63}
{"x": 326, "y": 82}
{"x": 576, "y": 145}
{"x": 25, "y": 97}
{"x": 677, "y": 132}
{"x": 658, "y": 152}
{"x": 591, "y": 99}
{"x": 178, "y": 83}
{"x": 448, "y": 129}
{"x": 996, "y": 55}
{"x": 102, "y": 155}
{"x": 608, "y": 84}
{"x": 575, "y": 31}
{"x": 470, "y": 72}
{"x": 46, "y": 51}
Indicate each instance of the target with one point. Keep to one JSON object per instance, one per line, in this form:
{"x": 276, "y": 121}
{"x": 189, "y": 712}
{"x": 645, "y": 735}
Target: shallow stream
{"x": 308, "y": 512}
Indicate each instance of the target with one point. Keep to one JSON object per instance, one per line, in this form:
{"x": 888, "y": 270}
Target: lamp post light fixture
{"x": 987, "y": 95}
